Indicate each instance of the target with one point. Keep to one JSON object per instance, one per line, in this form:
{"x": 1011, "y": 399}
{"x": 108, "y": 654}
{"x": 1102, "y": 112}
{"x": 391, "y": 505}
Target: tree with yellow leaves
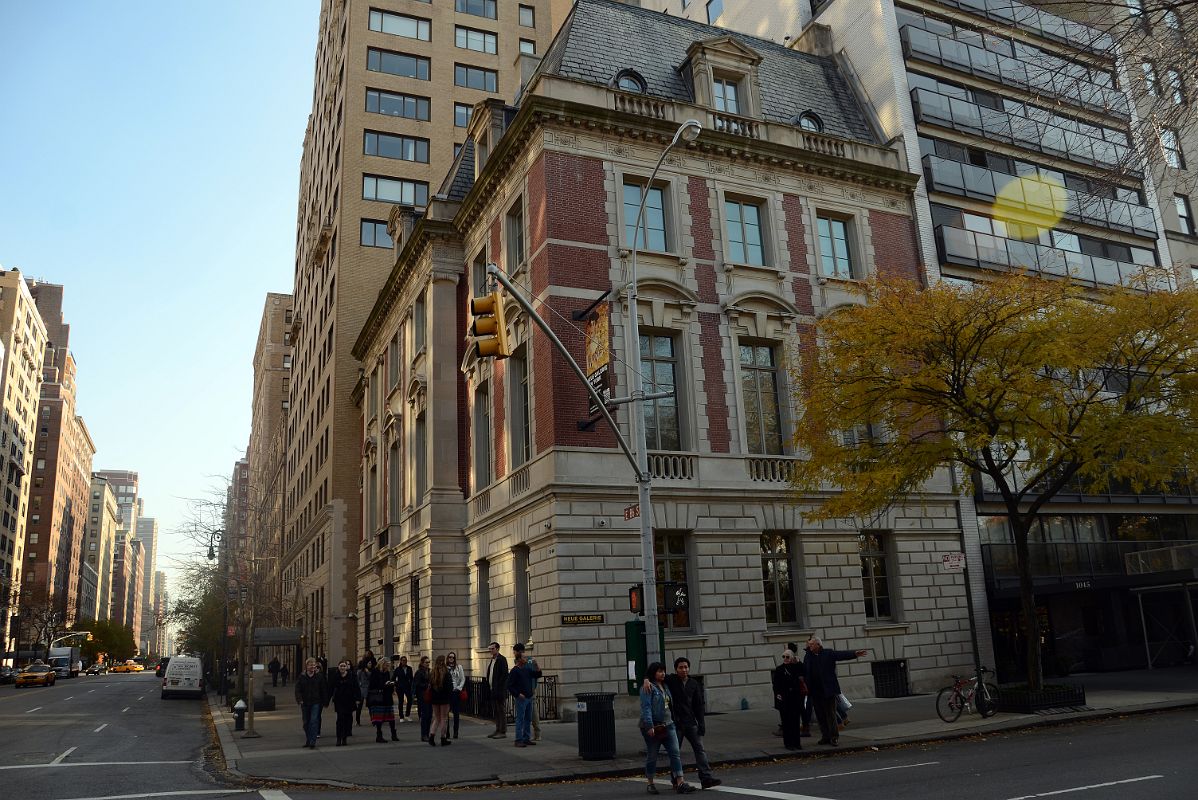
{"x": 1029, "y": 383}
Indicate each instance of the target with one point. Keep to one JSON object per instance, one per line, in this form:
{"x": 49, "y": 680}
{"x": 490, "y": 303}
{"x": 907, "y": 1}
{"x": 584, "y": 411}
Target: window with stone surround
{"x": 482, "y": 436}
{"x": 835, "y": 253}
{"x": 777, "y": 578}
{"x": 420, "y": 458}
{"x": 659, "y": 373}
{"x": 875, "y": 575}
{"x": 414, "y": 608}
{"x": 514, "y": 233}
{"x": 522, "y": 592}
{"x": 654, "y": 231}
{"x": 759, "y": 394}
{"x": 394, "y": 488}
{"x": 372, "y": 499}
{"x": 520, "y": 412}
{"x": 671, "y": 564}
{"x": 747, "y": 236}
{"x": 483, "y": 592}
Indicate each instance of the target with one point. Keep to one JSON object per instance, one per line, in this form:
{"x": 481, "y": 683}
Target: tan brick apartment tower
{"x": 62, "y": 465}
{"x": 267, "y": 450}
{"x": 395, "y": 83}
{"x": 23, "y": 341}
{"x": 147, "y": 534}
{"x": 102, "y": 523}
{"x": 127, "y": 554}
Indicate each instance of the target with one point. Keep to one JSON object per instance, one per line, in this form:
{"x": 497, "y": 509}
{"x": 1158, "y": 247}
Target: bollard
{"x": 239, "y": 715}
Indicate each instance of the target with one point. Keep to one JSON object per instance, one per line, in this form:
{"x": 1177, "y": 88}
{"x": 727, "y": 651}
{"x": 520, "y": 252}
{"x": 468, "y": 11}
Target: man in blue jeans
{"x": 312, "y": 694}
{"x": 522, "y": 685}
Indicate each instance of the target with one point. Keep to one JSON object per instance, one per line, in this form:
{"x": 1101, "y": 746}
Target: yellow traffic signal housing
{"x": 489, "y": 328}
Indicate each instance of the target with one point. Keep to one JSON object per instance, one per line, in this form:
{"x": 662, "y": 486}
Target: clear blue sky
{"x": 149, "y": 162}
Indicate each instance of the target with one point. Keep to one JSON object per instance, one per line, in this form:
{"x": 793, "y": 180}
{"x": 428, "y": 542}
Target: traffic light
{"x": 636, "y": 599}
{"x": 489, "y": 329}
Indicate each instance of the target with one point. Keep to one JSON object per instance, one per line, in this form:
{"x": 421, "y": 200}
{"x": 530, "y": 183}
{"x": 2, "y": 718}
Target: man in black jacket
{"x": 497, "y": 681}
{"x": 688, "y": 711}
{"x": 312, "y": 694}
{"x": 402, "y": 675}
{"x": 823, "y": 686}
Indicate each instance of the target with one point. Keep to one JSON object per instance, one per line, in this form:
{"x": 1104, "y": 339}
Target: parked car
{"x": 36, "y": 675}
{"x": 184, "y": 676}
{"x": 97, "y": 669}
{"x": 8, "y": 675}
{"x": 160, "y": 670}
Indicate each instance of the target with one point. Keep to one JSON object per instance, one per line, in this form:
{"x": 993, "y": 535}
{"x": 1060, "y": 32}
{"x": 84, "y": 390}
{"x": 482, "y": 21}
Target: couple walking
{"x": 314, "y": 692}
{"x": 521, "y": 683}
{"x": 672, "y": 711}
{"x": 813, "y": 680}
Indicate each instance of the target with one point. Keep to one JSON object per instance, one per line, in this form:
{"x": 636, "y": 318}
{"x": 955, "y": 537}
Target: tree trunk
{"x": 1020, "y": 527}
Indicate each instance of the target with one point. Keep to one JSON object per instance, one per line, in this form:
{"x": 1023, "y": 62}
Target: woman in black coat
{"x": 378, "y": 698}
{"x": 345, "y": 695}
{"x": 790, "y": 687}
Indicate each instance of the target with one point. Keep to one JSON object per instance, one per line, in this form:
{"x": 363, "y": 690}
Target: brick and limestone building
{"x": 491, "y": 515}
{"x": 127, "y": 581}
{"x": 103, "y": 522}
{"x": 147, "y": 534}
{"x": 23, "y": 342}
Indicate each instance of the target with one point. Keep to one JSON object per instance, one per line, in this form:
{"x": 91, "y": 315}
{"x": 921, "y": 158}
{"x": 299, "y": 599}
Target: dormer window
{"x": 810, "y": 121}
{"x": 628, "y": 80}
{"x": 726, "y": 95}
{"x": 724, "y": 75}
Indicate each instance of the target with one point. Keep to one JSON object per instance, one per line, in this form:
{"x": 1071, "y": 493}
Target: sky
{"x": 149, "y": 163}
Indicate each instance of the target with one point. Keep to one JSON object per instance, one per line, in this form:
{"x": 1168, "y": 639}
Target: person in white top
{"x": 459, "y": 689}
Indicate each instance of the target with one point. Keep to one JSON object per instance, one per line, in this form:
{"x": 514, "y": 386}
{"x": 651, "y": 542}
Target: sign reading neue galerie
{"x": 582, "y": 619}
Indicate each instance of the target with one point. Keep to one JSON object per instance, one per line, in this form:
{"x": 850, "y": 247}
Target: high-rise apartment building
{"x": 161, "y": 614}
{"x": 395, "y": 84}
{"x": 127, "y": 580}
{"x": 102, "y": 524}
{"x": 23, "y": 342}
{"x": 267, "y": 449}
{"x": 124, "y": 487}
{"x": 147, "y": 534}
{"x": 63, "y": 452}
{"x": 992, "y": 101}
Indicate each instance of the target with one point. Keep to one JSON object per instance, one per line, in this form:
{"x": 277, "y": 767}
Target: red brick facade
{"x": 896, "y": 251}
{"x": 713, "y": 383}
{"x": 796, "y": 234}
{"x": 701, "y": 231}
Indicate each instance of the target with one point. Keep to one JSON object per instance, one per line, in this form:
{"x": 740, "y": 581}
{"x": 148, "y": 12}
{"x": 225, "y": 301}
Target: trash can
{"x": 596, "y": 725}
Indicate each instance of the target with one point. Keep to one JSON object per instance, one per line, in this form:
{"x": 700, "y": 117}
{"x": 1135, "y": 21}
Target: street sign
{"x": 633, "y": 511}
{"x": 582, "y": 619}
{"x": 952, "y": 562}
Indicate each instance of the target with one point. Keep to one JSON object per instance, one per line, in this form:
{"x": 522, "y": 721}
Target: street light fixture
{"x": 687, "y": 132}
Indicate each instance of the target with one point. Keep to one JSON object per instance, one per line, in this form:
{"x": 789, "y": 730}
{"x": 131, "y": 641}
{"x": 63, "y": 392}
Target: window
{"x": 394, "y": 362}
{"x": 1185, "y": 217}
{"x": 472, "y": 39}
{"x": 528, "y": 47}
{"x": 461, "y": 114}
{"x": 810, "y": 121}
{"x": 400, "y": 64}
{"x": 484, "y": 601}
{"x": 1171, "y": 149}
{"x": 659, "y": 374}
{"x": 759, "y": 392}
{"x": 421, "y": 458}
{"x": 478, "y": 273}
{"x": 400, "y": 25}
{"x": 394, "y": 190}
{"x": 1175, "y": 91}
{"x": 372, "y": 501}
{"x": 725, "y": 94}
{"x": 714, "y": 9}
{"x": 394, "y": 484}
{"x": 521, "y": 430}
{"x": 395, "y": 104}
{"x": 479, "y": 8}
{"x": 652, "y": 233}
{"x": 414, "y": 608}
{"x": 390, "y": 145}
{"x": 374, "y": 234}
{"x": 287, "y": 362}
{"x": 418, "y": 324}
{"x": 669, "y": 550}
{"x": 482, "y": 436}
{"x": 630, "y": 81}
{"x": 1172, "y": 20}
{"x": 834, "y": 256}
{"x": 1150, "y": 81}
{"x": 875, "y": 583}
{"x": 746, "y": 244}
{"x": 522, "y": 595}
{"x": 486, "y": 80}
{"x": 528, "y": 16}
{"x": 514, "y": 227}
{"x": 777, "y": 580}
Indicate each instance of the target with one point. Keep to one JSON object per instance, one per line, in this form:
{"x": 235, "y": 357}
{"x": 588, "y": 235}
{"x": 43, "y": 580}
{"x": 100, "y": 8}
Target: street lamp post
{"x": 687, "y": 132}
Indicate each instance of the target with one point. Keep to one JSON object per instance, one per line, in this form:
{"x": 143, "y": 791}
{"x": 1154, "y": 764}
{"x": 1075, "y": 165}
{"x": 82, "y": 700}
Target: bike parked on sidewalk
{"x": 966, "y": 692}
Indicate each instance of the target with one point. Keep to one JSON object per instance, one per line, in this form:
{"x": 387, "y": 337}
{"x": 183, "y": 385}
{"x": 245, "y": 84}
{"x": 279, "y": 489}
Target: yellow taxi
{"x": 129, "y": 666}
{"x": 36, "y": 675}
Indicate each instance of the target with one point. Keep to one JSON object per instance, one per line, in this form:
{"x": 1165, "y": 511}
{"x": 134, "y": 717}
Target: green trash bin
{"x": 596, "y": 725}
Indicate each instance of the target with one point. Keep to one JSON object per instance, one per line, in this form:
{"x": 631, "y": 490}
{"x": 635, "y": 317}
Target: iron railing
{"x": 478, "y": 699}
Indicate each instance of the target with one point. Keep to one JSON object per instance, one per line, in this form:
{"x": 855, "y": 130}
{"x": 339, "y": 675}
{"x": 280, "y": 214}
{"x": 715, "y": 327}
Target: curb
{"x": 541, "y": 778}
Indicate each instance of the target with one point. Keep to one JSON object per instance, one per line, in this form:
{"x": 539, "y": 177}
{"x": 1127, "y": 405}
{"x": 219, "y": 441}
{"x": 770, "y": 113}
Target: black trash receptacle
{"x": 596, "y": 725}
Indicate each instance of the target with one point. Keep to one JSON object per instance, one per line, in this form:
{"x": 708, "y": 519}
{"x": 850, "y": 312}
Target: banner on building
{"x": 598, "y": 366}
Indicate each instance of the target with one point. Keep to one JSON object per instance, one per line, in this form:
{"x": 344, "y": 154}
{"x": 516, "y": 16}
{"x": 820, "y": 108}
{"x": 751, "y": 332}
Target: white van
{"x": 184, "y": 676}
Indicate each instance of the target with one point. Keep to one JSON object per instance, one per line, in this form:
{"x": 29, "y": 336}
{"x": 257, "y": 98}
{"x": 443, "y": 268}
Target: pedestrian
{"x": 368, "y": 657}
{"x": 497, "y": 684}
{"x": 440, "y": 690}
{"x": 378, "y": 699}
{"x": 690, "y": 717}
{"x": 284, "y": 673}
{"x": 345, "y": 695}
{"x": 536, "y": 714}
{"x": 362, "y": 673}
{"x": 312, "y": 695}
{"x": 273, "y": 667}
{"x": 521, "y": 685}
{"x": 403, "y": 688}
{"x": 822, "y": 684}
{"x": 790, "y": 692}
{"x": 420, "y": 685}
{"x": 657, "y": 728}
{"x": 458, "y": 675}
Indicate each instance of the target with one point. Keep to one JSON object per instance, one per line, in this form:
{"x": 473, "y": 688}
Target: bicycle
{"x": 966, "y": 692}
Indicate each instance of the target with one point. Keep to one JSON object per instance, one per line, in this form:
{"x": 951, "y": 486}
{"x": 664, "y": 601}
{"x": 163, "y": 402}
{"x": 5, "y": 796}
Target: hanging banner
{"x": 598, "y": 362}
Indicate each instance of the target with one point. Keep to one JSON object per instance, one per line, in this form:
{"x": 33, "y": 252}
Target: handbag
{"x": 659, "y": 733}
{"x": 377, "y": 697}
{"x": 463, "y": 695}
{"x": 428, "y": 695}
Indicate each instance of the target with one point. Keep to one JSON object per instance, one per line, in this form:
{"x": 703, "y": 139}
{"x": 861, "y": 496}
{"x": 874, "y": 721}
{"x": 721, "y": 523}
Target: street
{"x": 113, "y": 737}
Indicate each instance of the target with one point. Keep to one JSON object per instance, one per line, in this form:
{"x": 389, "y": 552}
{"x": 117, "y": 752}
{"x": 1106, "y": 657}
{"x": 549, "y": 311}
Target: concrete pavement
{"x": 732, "y": 737}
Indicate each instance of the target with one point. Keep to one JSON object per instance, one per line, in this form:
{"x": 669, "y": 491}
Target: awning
{"x": 277, "y": 637}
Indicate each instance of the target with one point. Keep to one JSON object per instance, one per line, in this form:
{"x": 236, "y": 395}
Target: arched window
{"x": 629, "y": 80}
{"x": 809, "y": 121}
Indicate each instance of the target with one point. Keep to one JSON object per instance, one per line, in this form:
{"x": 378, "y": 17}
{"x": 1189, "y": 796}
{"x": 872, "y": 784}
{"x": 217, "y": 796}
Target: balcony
{"x": 986, "y": 251}
{"x": 1071, "y": 565}
{"x": 1047, "y": 133}
{"x": 1181, "y": 491}
{"x": 1044, "y": 75}
{"x": 1057, "y": 29}
{"x": 979, "y": 183}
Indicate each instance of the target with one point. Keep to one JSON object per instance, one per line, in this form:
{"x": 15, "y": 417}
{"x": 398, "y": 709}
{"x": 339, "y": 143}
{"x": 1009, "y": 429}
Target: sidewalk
{"x": 732, "y": 737}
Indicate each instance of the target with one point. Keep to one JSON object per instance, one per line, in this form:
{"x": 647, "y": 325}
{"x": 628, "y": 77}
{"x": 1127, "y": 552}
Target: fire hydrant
{"x": 239, "y": 715}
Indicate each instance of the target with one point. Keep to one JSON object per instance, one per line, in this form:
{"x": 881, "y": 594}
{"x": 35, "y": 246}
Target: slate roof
{"x": 602, "y": 37}
{"x": 458, "y": 182}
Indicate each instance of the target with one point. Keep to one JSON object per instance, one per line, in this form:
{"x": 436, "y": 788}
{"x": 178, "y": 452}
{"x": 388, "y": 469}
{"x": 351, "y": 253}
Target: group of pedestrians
{"x": 807, "y": 687}
{"x": 438, "y": 688}
{"x": 520, "y": 682}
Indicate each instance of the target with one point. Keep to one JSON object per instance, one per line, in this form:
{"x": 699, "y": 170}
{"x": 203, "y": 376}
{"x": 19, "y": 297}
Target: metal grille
{"x": 890, "y": 679}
